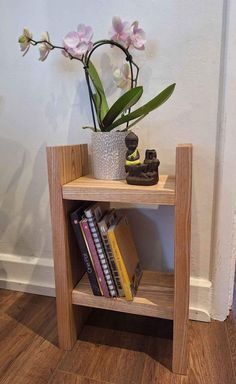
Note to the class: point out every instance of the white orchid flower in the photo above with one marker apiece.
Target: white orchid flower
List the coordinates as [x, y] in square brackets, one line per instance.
[44, 48]
[24, 40]
[121, 76]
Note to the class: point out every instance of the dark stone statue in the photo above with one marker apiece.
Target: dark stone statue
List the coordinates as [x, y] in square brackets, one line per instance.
[138, 173]
[132, 154]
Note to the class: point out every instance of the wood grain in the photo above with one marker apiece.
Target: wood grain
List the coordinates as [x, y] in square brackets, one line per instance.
[65, 164]
[93, 351]
[155, 297]
[14, 339]
[88, 188]
[36, 369]
[231, 338]
[182, 256]
[39, 316]
[7, 298]
[70, 378]
[69, 182]
[230, 326]
[113, 348]
[210, 358]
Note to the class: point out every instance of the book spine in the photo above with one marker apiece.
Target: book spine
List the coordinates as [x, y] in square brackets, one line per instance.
[101, 254]
[111, 259]
[87, 262]
[125, 281]
[94, 256]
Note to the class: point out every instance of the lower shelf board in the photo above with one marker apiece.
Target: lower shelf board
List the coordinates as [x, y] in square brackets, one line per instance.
[154, 298]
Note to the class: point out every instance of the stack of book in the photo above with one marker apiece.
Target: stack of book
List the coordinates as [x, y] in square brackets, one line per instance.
[108, 250]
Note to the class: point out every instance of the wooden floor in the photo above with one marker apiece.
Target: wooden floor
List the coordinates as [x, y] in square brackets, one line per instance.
[113, 348]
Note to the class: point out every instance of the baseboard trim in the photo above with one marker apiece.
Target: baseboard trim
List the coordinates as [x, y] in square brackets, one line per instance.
[200, 299]
[198, 314]
[27, 274]
[28, 287]
[36, 275]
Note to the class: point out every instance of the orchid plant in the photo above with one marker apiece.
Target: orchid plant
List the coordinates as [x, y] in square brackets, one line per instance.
[78, 45]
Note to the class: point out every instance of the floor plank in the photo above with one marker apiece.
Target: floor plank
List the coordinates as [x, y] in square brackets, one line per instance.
[36, 312]
[28, 338]
[70, 378]
[36, 363]
[230, 326]
[14, 339]
[94, 356]
[210, 356]
[7, 298]
[113, 348]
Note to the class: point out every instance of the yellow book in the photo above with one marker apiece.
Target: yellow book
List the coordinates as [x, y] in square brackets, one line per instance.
[125, 255]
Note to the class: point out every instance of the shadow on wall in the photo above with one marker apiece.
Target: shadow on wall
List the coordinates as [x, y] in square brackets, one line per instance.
[25, 232]
[153, 231]
[32, 233]
[12, 163]
[56, 109]
[24, 208]
[80, 115]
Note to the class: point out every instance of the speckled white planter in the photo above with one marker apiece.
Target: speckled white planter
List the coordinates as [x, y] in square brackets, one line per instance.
[108, 155]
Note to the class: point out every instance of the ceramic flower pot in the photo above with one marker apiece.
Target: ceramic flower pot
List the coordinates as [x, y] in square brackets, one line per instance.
[108, 155]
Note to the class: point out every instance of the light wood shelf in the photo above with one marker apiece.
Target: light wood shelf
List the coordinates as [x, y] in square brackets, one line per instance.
[154, 298]
[159, 295]
[88, 188]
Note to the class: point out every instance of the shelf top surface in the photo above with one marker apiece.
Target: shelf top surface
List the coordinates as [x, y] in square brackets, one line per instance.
[154, 298]
[88, 188]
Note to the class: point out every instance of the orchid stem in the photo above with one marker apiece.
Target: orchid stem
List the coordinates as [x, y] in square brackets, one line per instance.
[85, 60]
[52, 46]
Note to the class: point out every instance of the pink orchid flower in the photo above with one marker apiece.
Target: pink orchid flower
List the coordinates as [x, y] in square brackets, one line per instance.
[121, 76]
[120, 31]
[44, 48]
[79, 42]
[137, 36]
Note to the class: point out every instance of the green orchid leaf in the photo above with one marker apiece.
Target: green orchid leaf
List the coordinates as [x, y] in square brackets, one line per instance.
[146, 108]
[125, 102]
[96, 101]
[136, 121]
[101, 101]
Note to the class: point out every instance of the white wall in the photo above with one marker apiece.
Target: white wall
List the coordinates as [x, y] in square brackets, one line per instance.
[46, 103]
[224, 235]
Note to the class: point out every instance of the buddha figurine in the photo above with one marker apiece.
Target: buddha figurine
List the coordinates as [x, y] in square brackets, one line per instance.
[138, 173]
[132, 154]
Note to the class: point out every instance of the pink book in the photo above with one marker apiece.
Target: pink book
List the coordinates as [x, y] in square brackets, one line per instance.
[94, 256]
